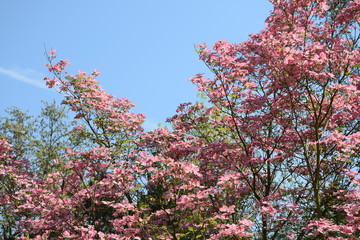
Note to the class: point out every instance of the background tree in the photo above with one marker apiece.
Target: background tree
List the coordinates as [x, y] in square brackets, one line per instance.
[43, 138]
[55, 134]
[19, 128]
[40, 141]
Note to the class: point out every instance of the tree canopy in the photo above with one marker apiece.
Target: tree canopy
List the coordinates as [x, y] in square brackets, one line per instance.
[273, 153]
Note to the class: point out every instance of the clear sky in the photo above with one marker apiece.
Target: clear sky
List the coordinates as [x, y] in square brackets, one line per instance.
[144, 49]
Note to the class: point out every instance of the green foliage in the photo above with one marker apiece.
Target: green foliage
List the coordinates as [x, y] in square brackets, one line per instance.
[19, 129]
[41, 140]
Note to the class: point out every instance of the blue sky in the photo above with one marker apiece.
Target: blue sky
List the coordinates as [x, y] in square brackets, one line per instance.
[144, 49]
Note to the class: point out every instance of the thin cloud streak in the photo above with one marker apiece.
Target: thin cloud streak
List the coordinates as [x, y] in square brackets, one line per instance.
[15, 75]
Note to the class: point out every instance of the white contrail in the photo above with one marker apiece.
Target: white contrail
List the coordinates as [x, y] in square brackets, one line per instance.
[15, 75]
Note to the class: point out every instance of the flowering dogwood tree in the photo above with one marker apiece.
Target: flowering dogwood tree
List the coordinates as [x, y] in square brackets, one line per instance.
[285, 109]
[273, 154]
